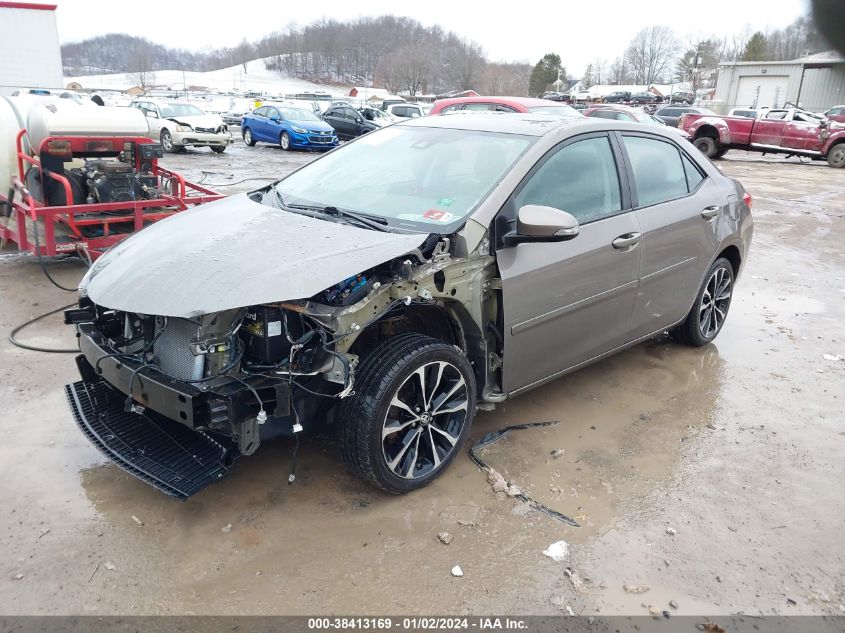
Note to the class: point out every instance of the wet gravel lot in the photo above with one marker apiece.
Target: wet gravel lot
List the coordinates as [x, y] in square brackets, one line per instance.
[708, 477]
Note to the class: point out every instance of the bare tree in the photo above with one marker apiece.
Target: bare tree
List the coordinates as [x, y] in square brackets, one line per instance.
[599, 68]
[651, 54]
[617, 72]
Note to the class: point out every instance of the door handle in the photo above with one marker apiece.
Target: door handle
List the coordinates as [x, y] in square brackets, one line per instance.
[708, 213]
[626, 242]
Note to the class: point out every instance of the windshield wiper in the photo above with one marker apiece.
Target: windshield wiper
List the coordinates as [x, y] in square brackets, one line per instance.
[362, 220]
[376, 224]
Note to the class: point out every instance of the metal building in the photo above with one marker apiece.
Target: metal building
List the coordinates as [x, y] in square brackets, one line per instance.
[30, 56]
[814, 83]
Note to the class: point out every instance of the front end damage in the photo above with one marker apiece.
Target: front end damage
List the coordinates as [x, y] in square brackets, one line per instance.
[175, 400]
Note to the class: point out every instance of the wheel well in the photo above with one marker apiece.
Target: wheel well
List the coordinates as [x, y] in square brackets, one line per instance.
[731, 253]
[451, 325]
[431, 320]
[709, 131]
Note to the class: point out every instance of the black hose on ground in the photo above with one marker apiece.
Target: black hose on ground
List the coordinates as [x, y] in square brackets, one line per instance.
[35, 348]
[495, 436]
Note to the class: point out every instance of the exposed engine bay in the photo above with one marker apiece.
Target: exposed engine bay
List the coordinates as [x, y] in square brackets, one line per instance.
[245, 375]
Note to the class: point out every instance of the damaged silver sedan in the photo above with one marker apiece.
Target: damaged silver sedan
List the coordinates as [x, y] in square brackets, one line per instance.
[395, 285]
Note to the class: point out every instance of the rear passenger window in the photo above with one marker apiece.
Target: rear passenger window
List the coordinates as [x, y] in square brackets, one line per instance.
[581, 178]
[694, 175]
[486, 107]
[658, 171]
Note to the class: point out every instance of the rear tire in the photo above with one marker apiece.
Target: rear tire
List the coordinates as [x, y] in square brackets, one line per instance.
[710, 310]
[721, 152]
[402, 384]
[706, 146]
[836, 156]
[247, 134]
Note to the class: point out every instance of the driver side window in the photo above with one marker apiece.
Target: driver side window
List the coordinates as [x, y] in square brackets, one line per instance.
[580, 178]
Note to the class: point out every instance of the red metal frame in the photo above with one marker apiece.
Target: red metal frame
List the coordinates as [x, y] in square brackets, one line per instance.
[181, 194]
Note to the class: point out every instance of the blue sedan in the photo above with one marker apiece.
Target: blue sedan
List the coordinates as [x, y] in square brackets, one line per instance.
[288, 126]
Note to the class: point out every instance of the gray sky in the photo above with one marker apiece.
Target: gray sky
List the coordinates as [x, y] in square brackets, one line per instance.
[578, 30]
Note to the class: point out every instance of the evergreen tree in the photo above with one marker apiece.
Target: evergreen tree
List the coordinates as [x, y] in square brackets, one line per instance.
[755, 48]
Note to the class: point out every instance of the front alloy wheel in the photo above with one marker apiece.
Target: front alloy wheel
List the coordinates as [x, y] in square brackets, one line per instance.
[413, 405]
[166, 141]
[425, 418]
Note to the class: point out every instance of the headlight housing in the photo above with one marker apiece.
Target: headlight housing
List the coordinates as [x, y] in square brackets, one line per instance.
[184, 128]
[298, 130]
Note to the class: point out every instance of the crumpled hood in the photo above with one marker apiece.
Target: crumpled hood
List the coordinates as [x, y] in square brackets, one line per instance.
[234, 253]
[199, 120]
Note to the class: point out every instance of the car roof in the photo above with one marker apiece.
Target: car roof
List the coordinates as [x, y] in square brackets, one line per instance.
[526, 102]
[526, 124]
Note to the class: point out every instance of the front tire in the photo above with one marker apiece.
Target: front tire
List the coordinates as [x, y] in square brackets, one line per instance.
[708, 313]
[284, 141]
[167, 141]
[706, 146]
[836, 155]
[413, 406]
[218, 149]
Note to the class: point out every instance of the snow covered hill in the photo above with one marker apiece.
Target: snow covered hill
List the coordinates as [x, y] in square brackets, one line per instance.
[255, 78]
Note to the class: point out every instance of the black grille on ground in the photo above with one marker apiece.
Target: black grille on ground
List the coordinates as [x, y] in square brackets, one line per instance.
[163, 453]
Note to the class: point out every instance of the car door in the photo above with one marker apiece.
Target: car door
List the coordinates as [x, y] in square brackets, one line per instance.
[258, 124]
[568, 302]
[274, 125]
[153, 119]
[769, 130]
[679, 209]
[802, 133]
[332, 117]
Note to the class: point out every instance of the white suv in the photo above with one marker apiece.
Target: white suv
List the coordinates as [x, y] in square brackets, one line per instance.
[178, 124]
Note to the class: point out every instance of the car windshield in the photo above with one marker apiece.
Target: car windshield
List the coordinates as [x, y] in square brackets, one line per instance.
[179, 109]
[298, 114]
[417, 178]
[557, 110]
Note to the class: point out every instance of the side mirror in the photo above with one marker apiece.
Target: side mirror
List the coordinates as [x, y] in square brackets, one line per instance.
[537, 223]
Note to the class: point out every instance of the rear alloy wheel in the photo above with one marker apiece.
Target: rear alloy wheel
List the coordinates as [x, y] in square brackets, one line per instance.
[248, 137]
[284, 141]
[708, 313]
[413, 405]
[836, 155]
[167, 141]
[706, 146]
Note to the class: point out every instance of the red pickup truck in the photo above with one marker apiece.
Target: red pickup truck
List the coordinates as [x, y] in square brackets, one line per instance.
[790, 131]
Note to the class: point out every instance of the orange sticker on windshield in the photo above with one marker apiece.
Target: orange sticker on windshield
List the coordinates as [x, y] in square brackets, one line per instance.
[437, 215]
